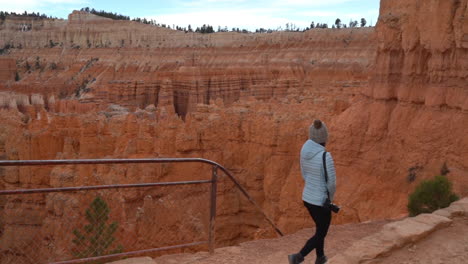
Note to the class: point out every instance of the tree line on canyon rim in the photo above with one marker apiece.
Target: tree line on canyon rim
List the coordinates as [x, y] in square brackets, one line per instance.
[25, 14]
[205, 29]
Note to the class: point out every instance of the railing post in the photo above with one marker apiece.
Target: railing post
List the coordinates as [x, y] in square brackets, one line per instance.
[214, 185]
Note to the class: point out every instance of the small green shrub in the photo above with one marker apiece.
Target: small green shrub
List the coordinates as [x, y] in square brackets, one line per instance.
[97, 236]
[431, 195]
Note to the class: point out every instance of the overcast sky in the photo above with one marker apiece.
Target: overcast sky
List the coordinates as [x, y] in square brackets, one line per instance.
[248, 14]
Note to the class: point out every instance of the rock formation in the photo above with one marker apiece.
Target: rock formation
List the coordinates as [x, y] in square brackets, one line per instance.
[395, 99]
[413, 115]
[190, 68]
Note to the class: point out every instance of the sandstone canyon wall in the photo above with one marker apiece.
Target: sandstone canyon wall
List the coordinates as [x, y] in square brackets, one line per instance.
[414, 113]
[188, 69]
[395, 99]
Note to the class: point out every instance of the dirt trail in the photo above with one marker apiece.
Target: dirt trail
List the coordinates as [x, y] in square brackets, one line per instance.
[271, 251]
[446, 245]
[440, 237]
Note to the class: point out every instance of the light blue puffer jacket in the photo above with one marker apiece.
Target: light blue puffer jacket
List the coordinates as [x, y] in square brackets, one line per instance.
[315, 189]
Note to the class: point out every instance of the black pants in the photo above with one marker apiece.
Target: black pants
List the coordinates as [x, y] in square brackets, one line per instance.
[322, 219]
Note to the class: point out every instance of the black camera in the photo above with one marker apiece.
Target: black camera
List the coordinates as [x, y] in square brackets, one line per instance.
[331, 206]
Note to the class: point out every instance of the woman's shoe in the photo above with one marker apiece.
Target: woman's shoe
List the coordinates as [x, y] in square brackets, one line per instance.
[322, 260]
[295, 258]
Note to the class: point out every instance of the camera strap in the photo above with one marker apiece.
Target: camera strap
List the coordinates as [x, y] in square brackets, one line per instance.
[326, 173]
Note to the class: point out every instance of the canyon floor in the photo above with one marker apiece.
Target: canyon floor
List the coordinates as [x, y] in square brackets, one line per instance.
[432, 238]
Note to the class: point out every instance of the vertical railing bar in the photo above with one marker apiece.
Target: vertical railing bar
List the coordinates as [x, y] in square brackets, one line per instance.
[214, 185]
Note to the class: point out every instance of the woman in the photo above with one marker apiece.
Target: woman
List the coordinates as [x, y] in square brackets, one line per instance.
[315, 190]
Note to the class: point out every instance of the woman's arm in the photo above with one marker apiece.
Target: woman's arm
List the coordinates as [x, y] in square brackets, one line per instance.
[331, 184]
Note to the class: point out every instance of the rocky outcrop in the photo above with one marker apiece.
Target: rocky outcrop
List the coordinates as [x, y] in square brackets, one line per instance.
[421, 60]
[398, 234]
[413, 115]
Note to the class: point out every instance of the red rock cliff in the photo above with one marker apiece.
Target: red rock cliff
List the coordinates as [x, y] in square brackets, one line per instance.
[413, 116]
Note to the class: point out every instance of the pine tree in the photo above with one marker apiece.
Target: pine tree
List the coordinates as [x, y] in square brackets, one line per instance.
[353, 23]
[98, 235]
[363, 22]
[338, 23]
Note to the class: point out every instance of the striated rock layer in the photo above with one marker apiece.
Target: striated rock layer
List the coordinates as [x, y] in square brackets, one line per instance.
[394, 98]
[222, 65]
[413, 117]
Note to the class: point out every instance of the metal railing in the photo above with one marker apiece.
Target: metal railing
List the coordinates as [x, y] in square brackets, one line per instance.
[213, 193]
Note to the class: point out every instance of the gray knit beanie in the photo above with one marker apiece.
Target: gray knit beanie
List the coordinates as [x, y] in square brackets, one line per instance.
[318, 132]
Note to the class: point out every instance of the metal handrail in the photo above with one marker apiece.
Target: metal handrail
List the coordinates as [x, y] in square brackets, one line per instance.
[97, 187]
[213, 181]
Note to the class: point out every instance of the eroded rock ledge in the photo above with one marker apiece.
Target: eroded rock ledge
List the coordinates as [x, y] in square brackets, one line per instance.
[398, 234]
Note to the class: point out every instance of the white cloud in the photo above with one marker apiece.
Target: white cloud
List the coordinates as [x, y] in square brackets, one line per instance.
[308, 3]
[254, 18]
[210, 3]
[259, 3]
[373, 12]
[18, 6]
[318, 13]
[261, 13]
[244, 19]
[35, 5]
[224, 1]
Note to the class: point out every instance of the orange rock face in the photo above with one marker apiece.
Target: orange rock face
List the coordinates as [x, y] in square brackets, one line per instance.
[394, 98]
[413, 115]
